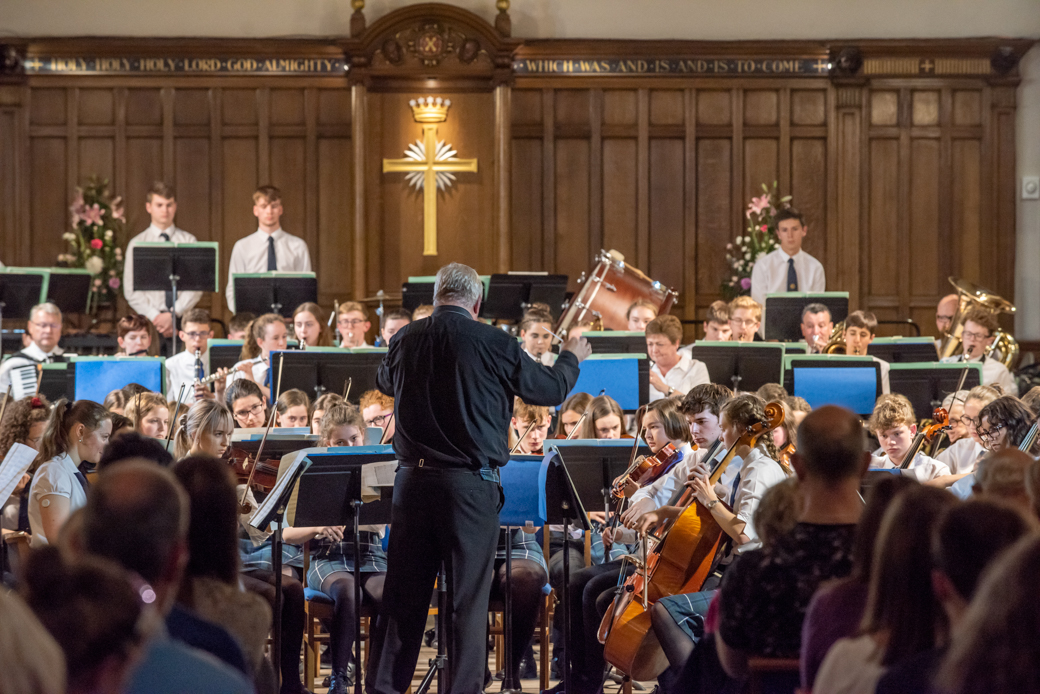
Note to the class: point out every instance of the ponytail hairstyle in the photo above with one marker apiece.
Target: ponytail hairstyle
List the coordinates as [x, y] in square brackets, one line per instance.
[337, 416]
[63, 417]
[204, 415]
[324, 332]
[256, 330]
[746, 410]
[599, 407]
[138, 407]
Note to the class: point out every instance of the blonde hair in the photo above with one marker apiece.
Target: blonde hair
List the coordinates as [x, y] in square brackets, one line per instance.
[579, 402]
[748, 303]
[257, 330]
[778, 511]
[351, 306]
[326, 402]
[204, 415]
[422, 311]
[530, 413]
[890, 411]
[641, 303]
[983, 394]
[338, 416]
[141, 404]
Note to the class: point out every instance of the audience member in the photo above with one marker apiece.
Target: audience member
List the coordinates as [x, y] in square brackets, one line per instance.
[134, 445]
[33, 662]
[1002, 476]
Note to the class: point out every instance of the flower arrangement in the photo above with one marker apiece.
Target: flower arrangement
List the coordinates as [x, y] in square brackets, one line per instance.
[759, 240]
[97, 223]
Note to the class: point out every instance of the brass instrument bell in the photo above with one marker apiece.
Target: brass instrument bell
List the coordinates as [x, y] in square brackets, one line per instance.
[1004, 348]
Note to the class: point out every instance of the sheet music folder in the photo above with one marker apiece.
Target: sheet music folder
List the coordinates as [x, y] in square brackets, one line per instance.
[331, 481]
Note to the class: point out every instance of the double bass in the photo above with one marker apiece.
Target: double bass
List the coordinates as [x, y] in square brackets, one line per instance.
[680, 561]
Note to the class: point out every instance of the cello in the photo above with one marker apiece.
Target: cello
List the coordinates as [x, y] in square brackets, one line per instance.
[680, 561]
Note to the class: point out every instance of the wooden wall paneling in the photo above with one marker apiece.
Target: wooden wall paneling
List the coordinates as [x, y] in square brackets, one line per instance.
[596, 173]
[215, 102]
[288, 162]
[72, 141]
[643, 181]
[119, 177]
[526, 219]
[966, 222]
[949, 177]
[571, 217]
[902, 200]
[620, 197]
[737, 201]
[808, 181]
[503, 174]
[310, 179]
[714, 212]
[334, 256]
[666, 210]
[999, 261]
[882, 247]
[264, 171]
[549, 181]
[691, 252]
[922, 244]
[144, 166]
[49, 208]
[12, 119]
[359, 122]
[193, 182]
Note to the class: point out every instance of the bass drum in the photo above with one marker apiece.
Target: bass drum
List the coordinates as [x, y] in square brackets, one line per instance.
[609, 290]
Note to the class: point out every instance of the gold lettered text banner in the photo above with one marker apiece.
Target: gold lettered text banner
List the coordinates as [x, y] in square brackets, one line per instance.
[50, 65]
[808, 67]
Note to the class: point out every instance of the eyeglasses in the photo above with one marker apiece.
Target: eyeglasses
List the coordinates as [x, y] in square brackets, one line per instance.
[378, 420]
[46, 326]
[974, 336]
[991, 433]
[254, 411]
[197, 336]
[965, 420]
[746, 322]
[352, 322]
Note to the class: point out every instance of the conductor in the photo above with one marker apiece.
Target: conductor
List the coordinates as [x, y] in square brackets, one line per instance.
[453, 380]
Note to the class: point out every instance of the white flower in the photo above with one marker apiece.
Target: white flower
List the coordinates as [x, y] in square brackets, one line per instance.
[729, 246]
[69, 236]
[94, 265]
[734, 279]
[109, 234]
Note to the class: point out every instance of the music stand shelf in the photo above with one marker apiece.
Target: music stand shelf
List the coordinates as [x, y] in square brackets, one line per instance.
[743, 366]
[926, 384]
[783, 312]
[318, 370]
[899, 350]
[273, 292]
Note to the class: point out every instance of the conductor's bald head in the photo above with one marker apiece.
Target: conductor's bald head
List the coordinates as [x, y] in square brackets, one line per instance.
[137, 515]
[458, 285]
[831, 446]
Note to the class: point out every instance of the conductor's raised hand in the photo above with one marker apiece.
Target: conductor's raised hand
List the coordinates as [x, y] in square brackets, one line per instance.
[578, 346]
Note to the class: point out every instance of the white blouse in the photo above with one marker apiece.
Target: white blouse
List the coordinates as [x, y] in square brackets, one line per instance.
[56, 477]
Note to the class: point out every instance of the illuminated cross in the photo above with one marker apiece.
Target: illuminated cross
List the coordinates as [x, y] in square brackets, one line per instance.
[429, 113]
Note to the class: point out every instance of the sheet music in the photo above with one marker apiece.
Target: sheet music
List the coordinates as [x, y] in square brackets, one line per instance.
[374, 476]
[16, 463]
[269, 506]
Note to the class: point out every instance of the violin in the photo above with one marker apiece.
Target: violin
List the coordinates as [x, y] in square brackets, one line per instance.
[940, 422]
[261, 476]
[646, 469]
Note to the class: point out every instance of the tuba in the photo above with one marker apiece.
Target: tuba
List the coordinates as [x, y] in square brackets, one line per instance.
[836, 345]
[1004, 348]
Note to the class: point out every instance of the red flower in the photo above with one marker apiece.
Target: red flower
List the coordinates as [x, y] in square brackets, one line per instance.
[763, 228]
[97, 244]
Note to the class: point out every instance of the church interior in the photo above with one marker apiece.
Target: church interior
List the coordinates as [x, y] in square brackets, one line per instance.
[831, 203]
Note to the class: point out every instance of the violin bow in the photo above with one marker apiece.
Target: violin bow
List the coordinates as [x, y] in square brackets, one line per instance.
[346, 387]
[382, 439]
[519, 440]
[263, 441]
[7, 397]
[584, 414]
[176, 413]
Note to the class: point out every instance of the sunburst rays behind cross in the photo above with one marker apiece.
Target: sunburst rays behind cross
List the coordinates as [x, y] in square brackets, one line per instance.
[417, 152]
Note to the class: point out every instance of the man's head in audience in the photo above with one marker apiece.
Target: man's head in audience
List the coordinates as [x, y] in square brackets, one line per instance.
[978, 333]
[134, 446]
[945, 312]
[860, 327]
[267, 208]
[716, 326]
[702, 407]
[745, 318]
[663, 335]
[533, 420]
[392, 322]
[238, 325]
[817, 326]
[161, 205]
[195, 332]
[378, 410]
[639, 315]
[970, 536]
[352, 323]
[1002, 476]
[790, 230]
[44, 326]
[536, 332]
[134, 335]
[894, 424]
[831, 451]
[137, 516]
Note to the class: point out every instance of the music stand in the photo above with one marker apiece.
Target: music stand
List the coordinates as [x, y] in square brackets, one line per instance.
[92, 378]
[320, 369]
[416, 293]
[20, 290]
[509, 295]
[745, 366]
[852, 382]
[223, 354]
[616, 341]
[926, 384]
[59, 381]
[902, 350]
[274, 292]
[69, 289]
[625, 377]
[173, 267]
[328, 493]
[783, 312]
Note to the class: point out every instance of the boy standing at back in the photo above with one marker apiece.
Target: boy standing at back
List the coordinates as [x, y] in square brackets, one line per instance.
[269, 248]
[788, 268]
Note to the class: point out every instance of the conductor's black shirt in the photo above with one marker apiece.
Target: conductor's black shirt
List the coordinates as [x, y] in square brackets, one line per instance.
[453, 380]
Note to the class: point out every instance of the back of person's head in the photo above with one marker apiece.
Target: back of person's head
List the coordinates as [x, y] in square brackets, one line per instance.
[18, 421]
[458, 285]
[772, 392]
[242, 388]
[745, 411]
[63, 417]
[1002, 475]
[997, 645]
[777, 513]
[707, 396]
[879, 498]
[1033, 487]
[324, 402]
[90, 607]
[137, 516]
[33, 662]
[667, 325]
[202, 416]
[213, 530]
[900, 600]
[240, 321]
[134, 445]
[831, 445]
[797, 404]
[984, 395]
[970, 536]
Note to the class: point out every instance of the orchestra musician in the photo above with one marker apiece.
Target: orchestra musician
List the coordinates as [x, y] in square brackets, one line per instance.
[183, 369]
[963, 455]
[536, 335]
[639, 314]
[393, 321]
[148, 414]
[245, 400]
[353, 324]
[716, 324]
[894, 424]
[531, 422]
[266, 334]
[745, 318]
[44, 331]
[134, 335]
[816, 326]
[378, 411]
[321, 406]
[605, 419]
[672, 374]
[453, 380]
[860, 327]
[292, 409]
[310, 327]
[978, 334]
[570, 414]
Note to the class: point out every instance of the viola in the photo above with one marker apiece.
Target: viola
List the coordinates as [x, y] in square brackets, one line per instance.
[680, 561]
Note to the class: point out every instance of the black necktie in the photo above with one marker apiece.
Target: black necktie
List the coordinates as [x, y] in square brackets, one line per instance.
[83, 481]
[169, 292]
[792, 276]
[272, 259]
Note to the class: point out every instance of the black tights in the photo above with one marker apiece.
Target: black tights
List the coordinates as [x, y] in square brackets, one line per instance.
[675, 643]
[526, 580]
[340, 587]
[293, 615]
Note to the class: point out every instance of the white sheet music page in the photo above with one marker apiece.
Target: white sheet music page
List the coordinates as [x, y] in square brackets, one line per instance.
[374, 476]
[15, 464]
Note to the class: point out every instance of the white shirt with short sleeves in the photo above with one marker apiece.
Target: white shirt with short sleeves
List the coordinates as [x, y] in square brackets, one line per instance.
[683, 377]
[55, 478]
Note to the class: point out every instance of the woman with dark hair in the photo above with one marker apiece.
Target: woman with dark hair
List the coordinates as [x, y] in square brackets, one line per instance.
[75, 434]
[24, 422]
[1003, 423]
[211, 580]
[902, 616]
[246, 401]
